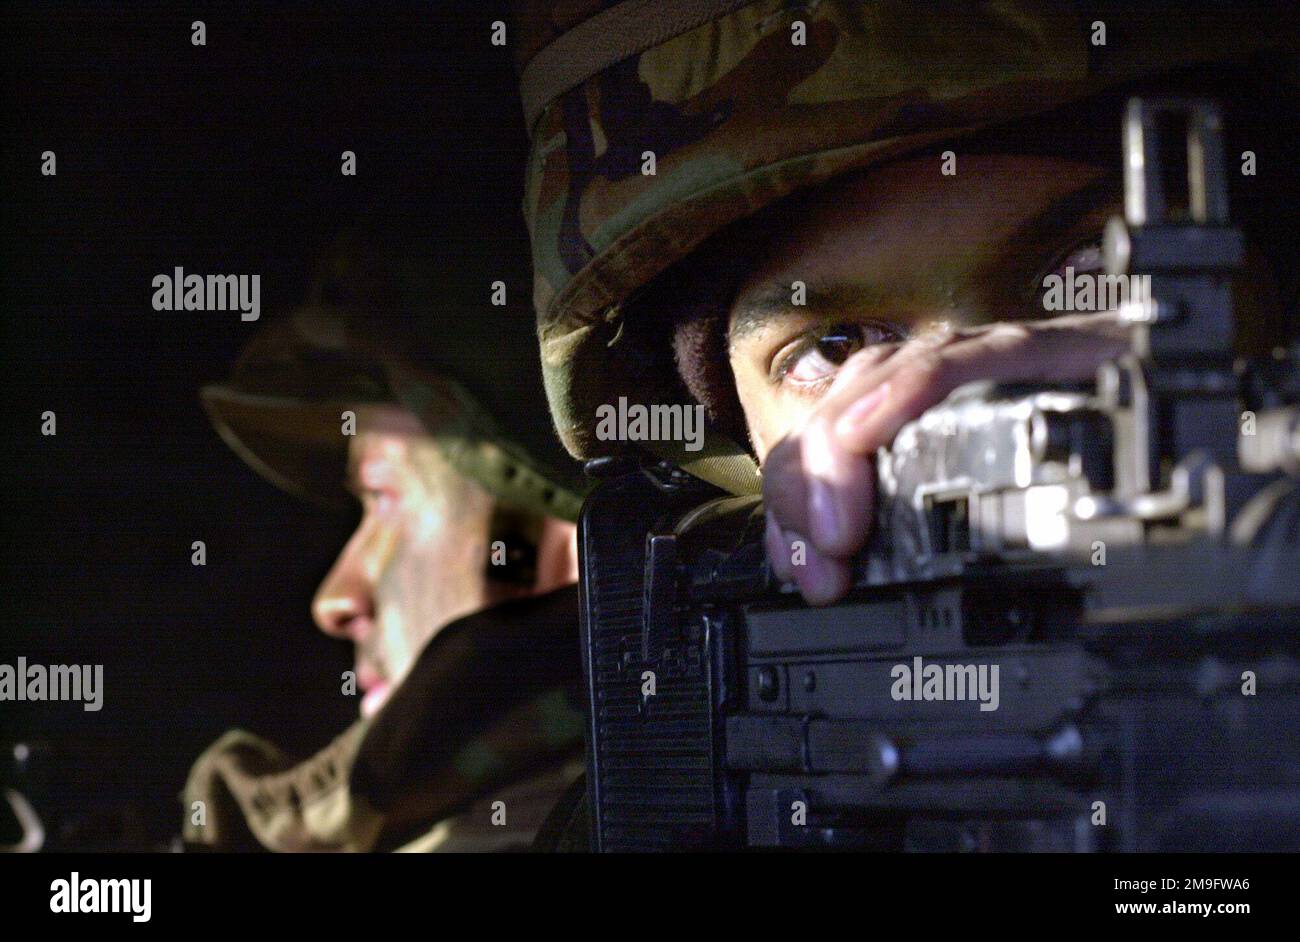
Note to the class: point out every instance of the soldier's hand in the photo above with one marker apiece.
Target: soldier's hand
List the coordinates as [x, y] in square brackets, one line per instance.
[819, 481]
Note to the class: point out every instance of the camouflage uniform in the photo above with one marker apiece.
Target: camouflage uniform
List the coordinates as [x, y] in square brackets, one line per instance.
[484, 715]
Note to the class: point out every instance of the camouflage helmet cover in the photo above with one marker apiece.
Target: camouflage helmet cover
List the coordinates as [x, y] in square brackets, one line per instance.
[376, 329]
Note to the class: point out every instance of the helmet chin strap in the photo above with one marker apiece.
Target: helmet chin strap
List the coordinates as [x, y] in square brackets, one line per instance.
[720, 462]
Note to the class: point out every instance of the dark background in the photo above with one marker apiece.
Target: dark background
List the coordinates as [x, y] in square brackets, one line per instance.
[220, 159]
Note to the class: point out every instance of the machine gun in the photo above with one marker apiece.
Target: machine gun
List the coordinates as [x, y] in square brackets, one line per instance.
[1076, 626]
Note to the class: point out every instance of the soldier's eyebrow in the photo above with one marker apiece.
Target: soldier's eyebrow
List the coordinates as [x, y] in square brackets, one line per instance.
[824, 301]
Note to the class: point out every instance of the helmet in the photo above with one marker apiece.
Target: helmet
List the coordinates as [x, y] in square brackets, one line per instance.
[656, 125]
[378, 328]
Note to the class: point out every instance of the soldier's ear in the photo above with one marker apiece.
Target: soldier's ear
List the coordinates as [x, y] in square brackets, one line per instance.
[513, 538]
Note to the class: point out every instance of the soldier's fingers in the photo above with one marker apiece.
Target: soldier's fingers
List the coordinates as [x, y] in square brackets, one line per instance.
[866, 362]
[1073, 346]
[923, 381]
[822, 580]
[864, 391]
[860, 386]
[788, 466]
[785, 492]
[1043, 352]
[840, 490]
[779, 555]
[821, 481]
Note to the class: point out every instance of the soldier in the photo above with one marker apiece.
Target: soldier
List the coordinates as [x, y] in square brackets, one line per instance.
[816, 220]
[456, 589]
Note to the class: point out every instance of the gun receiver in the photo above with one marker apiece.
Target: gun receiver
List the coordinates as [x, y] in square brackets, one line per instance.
[1074, 628]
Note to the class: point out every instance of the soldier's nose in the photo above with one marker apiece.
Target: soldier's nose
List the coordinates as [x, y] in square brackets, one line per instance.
[343, 607]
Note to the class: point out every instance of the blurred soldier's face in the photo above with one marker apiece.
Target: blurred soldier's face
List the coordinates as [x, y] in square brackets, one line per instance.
[888, 252]
[418, 560]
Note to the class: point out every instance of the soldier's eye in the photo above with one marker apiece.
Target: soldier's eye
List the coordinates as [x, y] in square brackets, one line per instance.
[1083, 260]
[818, 354]
[377, 500]
[1079, 263]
